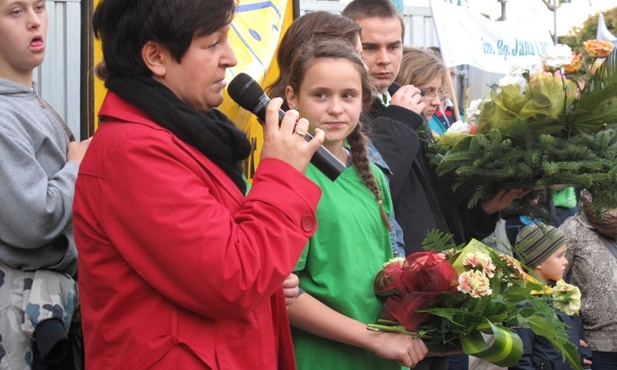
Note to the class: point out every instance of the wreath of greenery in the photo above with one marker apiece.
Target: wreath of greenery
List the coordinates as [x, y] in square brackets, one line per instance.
[480, 165]
[520, 145]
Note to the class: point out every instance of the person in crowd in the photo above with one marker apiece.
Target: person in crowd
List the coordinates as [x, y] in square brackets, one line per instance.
[321, 25]
[40, 160]
[328, 84]
[395, 119]
[181, 266]
[426, 71]
[445, 115]
[565, 203]
[325, 25]
[542, 249]
[592, 252]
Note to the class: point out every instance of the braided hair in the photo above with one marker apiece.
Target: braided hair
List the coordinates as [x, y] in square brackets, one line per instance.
[357, 142]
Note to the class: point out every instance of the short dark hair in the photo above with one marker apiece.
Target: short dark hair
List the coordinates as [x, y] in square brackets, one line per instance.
[360, 9]
[125, 26]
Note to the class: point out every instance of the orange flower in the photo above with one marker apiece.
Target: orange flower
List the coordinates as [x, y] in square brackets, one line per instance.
[575, 65]
[597, 48]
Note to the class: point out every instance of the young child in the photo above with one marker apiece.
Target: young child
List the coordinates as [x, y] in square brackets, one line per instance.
[328, 85]
[542, 248]
[38, 168]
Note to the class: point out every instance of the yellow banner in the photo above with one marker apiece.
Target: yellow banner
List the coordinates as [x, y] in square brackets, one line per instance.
[256, 31]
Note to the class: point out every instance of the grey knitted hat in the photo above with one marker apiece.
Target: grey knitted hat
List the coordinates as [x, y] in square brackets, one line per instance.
[537, 242]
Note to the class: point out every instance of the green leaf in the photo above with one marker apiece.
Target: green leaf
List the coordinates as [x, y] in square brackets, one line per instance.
[505, 351]
[542, 327]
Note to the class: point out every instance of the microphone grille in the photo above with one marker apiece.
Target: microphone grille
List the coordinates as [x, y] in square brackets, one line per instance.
[245, 91]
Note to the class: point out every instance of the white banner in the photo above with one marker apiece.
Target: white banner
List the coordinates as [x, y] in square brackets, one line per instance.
[467, 37]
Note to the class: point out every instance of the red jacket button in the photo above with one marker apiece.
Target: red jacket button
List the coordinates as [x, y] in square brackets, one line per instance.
[308, 223]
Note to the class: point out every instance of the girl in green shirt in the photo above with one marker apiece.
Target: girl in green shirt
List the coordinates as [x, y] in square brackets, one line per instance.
[328, 84]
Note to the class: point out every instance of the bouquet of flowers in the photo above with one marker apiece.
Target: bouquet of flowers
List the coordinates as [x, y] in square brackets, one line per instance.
[450, 295]
[540, 128]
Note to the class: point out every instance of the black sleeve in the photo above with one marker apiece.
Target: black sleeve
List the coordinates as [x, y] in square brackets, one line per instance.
[398, 144]
[407, 117]
[526, 361]
[476, 222]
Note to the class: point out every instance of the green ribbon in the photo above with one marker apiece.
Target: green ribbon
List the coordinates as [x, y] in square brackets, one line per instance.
[505, 351]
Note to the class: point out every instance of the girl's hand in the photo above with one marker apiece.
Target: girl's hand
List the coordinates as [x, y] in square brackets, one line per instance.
[402, 348]
[291, 288]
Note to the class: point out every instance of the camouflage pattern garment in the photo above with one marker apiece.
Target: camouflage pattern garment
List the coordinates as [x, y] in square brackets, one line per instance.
[27, 299]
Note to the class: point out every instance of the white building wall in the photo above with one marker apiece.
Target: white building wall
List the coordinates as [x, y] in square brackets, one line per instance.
[58, 78]
[419, 28]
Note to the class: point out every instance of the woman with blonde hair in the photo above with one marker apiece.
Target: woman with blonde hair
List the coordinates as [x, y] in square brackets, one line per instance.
[426, 71]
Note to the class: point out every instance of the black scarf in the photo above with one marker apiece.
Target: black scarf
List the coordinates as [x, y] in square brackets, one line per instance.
[212, 133]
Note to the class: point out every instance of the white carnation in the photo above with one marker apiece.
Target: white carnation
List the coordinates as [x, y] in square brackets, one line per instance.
[474, 108]
[513, 80]
[518, 70]
[459, 127]
[557, 56]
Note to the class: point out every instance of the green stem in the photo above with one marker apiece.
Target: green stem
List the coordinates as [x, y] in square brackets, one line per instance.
[391, 329]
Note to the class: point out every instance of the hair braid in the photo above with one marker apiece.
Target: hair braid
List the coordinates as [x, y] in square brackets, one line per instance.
[357, 142]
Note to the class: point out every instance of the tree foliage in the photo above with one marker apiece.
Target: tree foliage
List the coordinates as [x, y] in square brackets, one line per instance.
[577, 35]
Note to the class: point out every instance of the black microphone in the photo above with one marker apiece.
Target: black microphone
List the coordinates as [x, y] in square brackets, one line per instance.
[249, 95]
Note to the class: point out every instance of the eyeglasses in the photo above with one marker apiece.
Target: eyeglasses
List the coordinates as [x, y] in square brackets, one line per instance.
[442, 94]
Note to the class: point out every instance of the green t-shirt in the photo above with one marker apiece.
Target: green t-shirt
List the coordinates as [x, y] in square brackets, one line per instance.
[339, 264]
[565, 197]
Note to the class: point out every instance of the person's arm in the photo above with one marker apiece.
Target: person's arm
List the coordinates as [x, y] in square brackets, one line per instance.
[398, 145]
[480, 220]
[176, 220]
[408, 117]
[502, 200]
[38, 182]
[207, 253]
[36, 204]
[312, 316]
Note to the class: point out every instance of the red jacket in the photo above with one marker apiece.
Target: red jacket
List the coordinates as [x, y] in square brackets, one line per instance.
[177, 268]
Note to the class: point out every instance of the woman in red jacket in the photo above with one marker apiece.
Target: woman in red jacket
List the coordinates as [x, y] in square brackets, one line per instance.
[180, 267]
